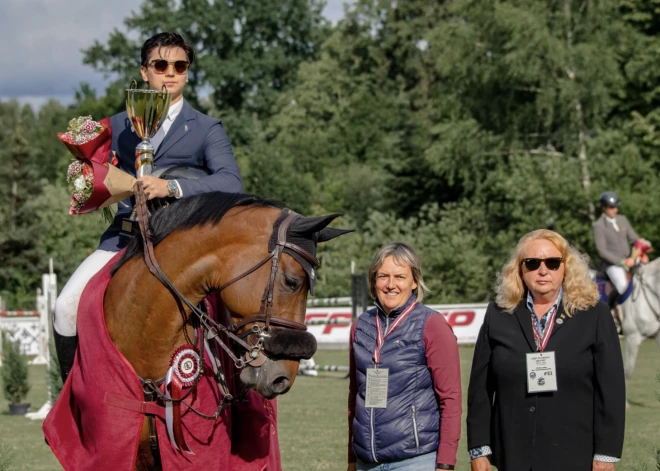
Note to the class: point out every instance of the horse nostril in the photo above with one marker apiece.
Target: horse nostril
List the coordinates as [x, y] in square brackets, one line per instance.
[281, 385]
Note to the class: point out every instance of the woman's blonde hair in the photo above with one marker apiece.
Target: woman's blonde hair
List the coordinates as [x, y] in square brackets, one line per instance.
[403, 255]
[580, 291]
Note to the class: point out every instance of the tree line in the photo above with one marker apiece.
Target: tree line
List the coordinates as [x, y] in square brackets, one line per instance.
[453, 126]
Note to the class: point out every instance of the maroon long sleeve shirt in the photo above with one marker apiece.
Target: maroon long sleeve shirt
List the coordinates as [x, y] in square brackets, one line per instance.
[443, 361]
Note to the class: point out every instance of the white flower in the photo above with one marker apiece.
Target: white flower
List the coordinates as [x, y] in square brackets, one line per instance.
[79, 183]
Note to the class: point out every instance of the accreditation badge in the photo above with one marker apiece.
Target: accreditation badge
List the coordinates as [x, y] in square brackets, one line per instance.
[541, 372]
[377, 388]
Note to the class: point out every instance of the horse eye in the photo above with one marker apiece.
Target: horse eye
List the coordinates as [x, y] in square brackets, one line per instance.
[292, 283]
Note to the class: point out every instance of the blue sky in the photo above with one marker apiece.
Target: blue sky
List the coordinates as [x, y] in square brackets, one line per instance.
[42, 42]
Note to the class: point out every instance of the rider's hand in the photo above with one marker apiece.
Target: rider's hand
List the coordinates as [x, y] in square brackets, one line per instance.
[602, 466]
[481, 464]
[644, 259]
[154, 187]
[629, 262]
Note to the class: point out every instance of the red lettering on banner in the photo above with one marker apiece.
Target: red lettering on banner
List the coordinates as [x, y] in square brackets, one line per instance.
[459, 318]
[335, 317]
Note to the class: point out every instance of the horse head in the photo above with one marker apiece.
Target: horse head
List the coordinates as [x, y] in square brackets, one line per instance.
[258, 259]
[279, 327]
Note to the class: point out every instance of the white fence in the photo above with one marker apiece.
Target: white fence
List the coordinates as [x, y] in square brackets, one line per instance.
[31, 328]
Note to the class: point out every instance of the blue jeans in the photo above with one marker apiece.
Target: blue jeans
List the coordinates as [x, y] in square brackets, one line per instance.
[418, 463]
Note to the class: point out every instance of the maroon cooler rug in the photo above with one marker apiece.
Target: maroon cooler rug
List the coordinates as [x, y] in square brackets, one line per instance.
[96, 421]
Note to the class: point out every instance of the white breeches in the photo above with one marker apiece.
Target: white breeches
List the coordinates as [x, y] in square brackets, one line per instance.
[618, 277]
[66, 305]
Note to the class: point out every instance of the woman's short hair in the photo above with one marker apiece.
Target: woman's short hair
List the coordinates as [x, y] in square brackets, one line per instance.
[402, 254]
[580, 291]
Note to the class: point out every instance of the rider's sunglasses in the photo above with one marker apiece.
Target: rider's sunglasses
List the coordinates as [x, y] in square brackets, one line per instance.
[533, 264]
[160, 66]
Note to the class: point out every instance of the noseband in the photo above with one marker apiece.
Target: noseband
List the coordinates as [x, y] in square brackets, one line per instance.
[254, 355]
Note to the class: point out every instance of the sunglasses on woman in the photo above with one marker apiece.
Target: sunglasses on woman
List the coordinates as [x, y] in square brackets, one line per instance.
[160, 66]
[551, 263]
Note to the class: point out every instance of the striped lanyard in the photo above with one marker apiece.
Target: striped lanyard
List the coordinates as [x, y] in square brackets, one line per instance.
[541, 339]
[381, 336]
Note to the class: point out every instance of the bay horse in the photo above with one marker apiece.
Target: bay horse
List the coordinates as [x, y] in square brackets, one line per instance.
[641, 313]
[256, 257]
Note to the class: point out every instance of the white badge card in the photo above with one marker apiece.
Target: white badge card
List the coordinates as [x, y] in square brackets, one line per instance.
[377, 388]
[541, 372]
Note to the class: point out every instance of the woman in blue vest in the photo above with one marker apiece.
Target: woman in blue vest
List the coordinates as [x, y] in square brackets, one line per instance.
[405, 385]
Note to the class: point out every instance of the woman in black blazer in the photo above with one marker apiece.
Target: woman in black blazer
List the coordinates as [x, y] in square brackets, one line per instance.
[547, 390]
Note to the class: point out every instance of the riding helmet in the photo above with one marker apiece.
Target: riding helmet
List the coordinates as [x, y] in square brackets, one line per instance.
[610, 199]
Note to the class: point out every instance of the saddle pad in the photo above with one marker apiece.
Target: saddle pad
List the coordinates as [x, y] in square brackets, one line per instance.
[88, 432]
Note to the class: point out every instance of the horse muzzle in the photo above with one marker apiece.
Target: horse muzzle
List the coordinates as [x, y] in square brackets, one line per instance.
[272, 378]
[272, 373]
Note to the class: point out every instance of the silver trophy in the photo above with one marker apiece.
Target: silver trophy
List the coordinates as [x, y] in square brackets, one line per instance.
[146, 109]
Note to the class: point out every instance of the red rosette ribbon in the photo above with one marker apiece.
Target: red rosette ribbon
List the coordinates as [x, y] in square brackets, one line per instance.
[187, 365]
[185, 368]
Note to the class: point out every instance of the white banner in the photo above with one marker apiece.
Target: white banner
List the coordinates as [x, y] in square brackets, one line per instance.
[332, 325]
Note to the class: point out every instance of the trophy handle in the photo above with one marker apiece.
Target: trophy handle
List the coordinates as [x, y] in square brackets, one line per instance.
[134, 84]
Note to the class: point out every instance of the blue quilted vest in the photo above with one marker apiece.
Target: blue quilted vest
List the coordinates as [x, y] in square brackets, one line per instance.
[410, 424]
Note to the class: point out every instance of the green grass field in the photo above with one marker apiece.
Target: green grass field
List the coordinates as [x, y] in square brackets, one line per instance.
[313, 419]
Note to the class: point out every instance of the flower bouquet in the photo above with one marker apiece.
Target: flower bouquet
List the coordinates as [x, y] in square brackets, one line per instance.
[88, 139]
[94, 181]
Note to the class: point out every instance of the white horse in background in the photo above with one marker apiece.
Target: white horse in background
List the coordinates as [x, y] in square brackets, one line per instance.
[641, 313]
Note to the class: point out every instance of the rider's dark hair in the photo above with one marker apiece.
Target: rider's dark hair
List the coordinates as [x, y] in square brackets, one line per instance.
[166, 39]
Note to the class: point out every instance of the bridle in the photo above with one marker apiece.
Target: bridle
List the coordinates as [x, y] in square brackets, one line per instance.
[254, 354]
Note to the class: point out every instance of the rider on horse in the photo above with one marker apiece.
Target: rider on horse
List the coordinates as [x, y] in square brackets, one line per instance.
[613, 236]
[186, 137]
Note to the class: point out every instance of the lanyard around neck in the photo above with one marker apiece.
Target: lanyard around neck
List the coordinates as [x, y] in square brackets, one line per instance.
[381, 335]
[542, 339]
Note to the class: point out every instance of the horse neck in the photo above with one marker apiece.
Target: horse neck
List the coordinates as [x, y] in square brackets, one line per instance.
[193, 269]
[650, 271]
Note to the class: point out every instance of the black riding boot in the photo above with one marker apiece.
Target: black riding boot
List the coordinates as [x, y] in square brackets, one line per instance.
[66, 352]
[613, 298]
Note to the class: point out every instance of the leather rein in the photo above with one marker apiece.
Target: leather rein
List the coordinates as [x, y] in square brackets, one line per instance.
[254, 354]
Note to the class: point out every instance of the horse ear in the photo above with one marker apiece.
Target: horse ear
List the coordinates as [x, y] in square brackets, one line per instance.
[330, 233]
[305, 225]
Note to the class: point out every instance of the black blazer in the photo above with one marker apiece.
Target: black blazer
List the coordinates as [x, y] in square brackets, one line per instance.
[552, 431]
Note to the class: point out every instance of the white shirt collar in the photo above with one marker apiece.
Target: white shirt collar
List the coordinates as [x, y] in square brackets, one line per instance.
[613, 222]
[174, 110]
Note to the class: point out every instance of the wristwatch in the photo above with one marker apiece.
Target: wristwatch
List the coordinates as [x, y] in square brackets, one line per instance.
[172, 188]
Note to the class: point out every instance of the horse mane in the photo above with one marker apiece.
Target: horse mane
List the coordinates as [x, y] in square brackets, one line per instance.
[190, 212]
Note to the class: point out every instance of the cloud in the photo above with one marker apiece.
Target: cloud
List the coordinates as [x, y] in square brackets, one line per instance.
[43, 41]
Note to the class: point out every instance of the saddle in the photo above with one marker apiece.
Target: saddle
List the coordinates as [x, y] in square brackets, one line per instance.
[608, 293]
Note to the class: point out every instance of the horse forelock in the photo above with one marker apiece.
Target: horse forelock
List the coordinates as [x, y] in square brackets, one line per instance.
[188, 213]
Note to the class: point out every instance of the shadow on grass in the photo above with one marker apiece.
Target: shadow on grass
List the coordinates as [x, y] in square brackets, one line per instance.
[637, 403]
